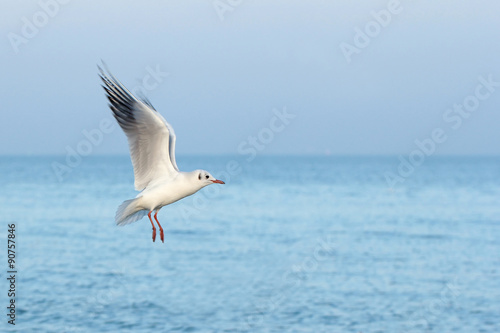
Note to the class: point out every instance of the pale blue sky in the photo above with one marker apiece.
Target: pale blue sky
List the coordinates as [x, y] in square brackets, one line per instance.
[226, 76]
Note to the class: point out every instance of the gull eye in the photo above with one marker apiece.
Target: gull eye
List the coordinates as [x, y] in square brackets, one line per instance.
[206, 176]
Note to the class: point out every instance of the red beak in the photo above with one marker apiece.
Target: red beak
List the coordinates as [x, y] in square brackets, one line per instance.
[218, 181]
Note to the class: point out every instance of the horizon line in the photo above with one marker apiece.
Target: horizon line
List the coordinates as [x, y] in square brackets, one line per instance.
[261, 154]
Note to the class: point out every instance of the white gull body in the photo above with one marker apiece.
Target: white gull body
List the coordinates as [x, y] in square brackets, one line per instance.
[151, 141]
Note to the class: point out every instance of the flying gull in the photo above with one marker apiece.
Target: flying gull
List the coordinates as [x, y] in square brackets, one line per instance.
[151, 141]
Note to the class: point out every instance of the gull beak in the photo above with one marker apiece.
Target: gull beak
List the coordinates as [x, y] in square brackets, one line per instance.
[218, 181]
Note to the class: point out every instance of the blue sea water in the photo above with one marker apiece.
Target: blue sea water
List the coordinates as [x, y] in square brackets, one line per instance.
[289, 244]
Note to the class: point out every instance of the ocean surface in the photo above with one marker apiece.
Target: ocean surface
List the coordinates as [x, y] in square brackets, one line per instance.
[289, 244]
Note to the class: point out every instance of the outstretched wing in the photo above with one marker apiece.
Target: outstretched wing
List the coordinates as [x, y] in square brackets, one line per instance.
[151, 139]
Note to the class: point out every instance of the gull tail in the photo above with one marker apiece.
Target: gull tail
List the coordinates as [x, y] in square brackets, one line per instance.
[129, 211]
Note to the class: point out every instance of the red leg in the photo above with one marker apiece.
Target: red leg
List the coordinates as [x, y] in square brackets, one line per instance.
[161, 229]
[154, 229]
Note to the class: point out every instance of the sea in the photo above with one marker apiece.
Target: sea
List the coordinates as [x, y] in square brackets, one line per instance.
[288, 244]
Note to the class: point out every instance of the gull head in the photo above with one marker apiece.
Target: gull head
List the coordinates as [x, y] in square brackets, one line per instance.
[204, 178]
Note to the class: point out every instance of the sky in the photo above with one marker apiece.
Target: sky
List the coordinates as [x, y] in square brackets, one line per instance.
[282, 77]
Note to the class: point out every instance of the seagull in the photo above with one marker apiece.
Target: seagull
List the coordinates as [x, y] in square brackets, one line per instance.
[151, 140]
